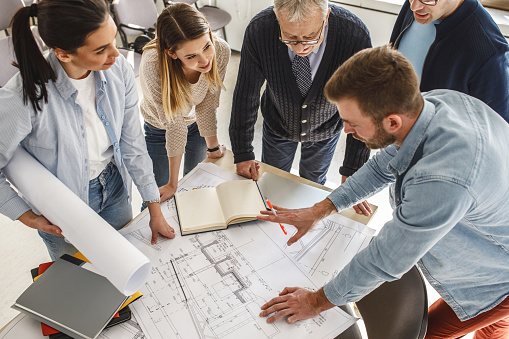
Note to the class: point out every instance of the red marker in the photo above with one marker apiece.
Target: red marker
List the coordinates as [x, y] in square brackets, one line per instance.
[274, 211]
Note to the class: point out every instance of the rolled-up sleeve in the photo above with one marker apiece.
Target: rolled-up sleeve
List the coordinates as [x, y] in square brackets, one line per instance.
[429, 210]
[16, 125]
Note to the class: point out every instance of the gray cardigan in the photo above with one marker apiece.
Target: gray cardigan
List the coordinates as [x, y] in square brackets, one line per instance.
[265, 58]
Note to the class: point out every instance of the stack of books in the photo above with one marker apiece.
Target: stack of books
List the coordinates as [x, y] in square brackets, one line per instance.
[72, 301]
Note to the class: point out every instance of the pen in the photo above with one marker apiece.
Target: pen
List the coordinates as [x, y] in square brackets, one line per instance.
[274, 211]
[171, 261]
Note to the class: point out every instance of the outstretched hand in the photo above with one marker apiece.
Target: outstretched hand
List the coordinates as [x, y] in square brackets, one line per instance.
[158, 225]
[167, 191]
[303, 219]
[297, 304]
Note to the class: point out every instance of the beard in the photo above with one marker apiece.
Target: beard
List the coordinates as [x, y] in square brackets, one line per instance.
[381, 139]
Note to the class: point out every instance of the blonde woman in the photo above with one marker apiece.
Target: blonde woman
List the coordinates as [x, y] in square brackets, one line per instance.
[181, 75]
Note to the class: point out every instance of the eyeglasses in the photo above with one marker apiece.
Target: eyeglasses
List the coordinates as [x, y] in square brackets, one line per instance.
[428, 2]
[303, 42]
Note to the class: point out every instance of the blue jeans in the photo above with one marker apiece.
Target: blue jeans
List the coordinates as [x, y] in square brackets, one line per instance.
[315, 157]
[155, 138]
[107, 196]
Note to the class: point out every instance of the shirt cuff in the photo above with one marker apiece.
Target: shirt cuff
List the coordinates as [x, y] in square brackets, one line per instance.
[332, 295]
[340, 199]
[149, 192]
[14, 208]
[243, 157]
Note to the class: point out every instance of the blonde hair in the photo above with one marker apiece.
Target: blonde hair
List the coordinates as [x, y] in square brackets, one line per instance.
[177, 24]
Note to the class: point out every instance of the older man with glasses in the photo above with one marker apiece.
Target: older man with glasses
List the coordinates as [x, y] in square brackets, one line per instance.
[295, 47]
[455, 44]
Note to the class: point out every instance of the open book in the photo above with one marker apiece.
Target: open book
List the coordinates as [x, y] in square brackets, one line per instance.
[213, 208]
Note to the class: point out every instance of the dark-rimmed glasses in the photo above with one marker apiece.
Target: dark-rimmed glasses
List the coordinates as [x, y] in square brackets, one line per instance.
[303, 42]
[428, 2]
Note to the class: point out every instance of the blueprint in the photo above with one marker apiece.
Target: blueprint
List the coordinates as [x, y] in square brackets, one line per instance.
[212, 285]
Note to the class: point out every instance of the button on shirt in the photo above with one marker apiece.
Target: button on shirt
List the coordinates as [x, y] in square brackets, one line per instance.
[56, 136]
[100, 150]
[453, 219]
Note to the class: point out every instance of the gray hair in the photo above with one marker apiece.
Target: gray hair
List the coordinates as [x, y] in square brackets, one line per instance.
[299, 10]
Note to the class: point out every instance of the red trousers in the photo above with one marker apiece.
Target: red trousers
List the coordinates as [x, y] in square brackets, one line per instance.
[492, 324]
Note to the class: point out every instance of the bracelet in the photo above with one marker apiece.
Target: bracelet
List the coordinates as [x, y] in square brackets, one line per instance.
[158, 199]
[210, 150]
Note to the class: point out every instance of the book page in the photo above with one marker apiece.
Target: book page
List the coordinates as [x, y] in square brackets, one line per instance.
[240, 199]
[199, 209]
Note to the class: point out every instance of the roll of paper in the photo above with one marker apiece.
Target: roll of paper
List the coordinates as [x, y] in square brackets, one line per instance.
[110, 253]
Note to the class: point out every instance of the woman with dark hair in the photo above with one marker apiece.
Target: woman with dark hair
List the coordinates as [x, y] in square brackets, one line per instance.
[76, 113]
[181, 75]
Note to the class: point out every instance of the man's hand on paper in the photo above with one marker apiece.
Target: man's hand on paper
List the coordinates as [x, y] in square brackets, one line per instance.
[362, 207]
[297, 304]
[249, 169]
[158, 224]
[167, 191]
[303, 219]
[39, 222]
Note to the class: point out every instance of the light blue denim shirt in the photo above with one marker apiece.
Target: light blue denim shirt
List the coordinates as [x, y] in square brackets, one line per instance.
[453, 217]
[56, 137]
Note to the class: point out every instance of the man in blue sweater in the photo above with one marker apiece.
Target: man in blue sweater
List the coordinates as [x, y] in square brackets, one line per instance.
[295, 47]
[455, 44]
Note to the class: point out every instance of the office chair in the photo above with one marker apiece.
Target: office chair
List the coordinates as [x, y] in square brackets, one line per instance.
[134, 17]
[7, 10]
[395, 309]
[216, 17]
[7, 70]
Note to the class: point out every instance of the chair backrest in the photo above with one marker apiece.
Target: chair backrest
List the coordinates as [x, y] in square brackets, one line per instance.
[138, 12]
[7, 10]
[133, 58]
[397, 309]
[216, 17]
[7, 70]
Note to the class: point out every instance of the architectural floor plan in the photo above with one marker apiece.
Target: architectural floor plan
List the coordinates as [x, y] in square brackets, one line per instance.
[211, 285]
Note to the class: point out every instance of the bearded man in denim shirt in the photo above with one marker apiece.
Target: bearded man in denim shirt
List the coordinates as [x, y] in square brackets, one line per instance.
[447, 154]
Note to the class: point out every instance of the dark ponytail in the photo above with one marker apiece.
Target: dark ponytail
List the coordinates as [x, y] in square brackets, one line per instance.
[33, 66]
[63, 24]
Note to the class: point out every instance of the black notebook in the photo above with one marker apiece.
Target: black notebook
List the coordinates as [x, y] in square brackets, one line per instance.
[71, 299]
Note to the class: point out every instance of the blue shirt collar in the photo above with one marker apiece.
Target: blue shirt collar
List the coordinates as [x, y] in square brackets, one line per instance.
[413, 139]
[63, 84]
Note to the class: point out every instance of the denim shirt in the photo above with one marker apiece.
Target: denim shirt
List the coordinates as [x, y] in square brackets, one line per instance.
[56, 136]
[453, 216]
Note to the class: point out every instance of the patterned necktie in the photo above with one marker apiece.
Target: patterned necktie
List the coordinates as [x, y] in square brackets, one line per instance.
[302, 72]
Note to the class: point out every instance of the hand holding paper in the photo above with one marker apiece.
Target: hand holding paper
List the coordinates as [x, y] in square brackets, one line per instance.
[115, 257]
[39, 222]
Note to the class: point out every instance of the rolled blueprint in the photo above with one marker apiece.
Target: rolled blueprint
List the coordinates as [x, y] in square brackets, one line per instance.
[110, 253]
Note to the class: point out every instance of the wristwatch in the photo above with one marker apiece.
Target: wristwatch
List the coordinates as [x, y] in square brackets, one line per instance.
[158, 199]
[210, 150]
